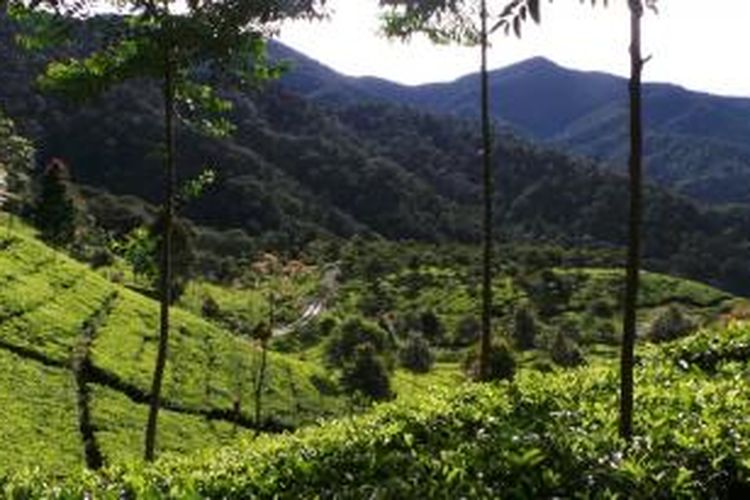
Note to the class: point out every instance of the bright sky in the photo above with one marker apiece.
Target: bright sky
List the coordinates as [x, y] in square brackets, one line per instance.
[700, 44]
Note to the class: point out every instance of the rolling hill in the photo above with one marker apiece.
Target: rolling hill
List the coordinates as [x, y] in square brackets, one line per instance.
[77, 354]
[541, 435]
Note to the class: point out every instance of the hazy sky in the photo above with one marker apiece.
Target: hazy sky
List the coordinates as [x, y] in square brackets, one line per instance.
[692, 45]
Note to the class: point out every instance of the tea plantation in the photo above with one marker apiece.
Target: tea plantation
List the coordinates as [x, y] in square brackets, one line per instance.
[542, 435]
[77, 354]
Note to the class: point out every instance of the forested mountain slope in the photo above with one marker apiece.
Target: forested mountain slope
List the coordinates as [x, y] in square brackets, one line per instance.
[696, 143]
[297, 168]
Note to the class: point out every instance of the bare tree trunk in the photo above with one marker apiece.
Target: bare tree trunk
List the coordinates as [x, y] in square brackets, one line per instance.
[634, 224]
[486, 338]
[166, 257]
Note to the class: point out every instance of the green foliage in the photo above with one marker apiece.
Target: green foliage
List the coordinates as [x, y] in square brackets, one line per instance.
[16, 166]
[55, 211]
[139, 249]
[670, 324]
[142, 248]
[415, 355]
[353, 332]
[542, 435]
[564, 350]
[431, 327]
[501, 362]
[45, 302]
[467, 331]
[365, 373]
[524, 329]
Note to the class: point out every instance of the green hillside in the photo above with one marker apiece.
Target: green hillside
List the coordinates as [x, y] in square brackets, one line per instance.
[77, 354]
[542, 435]
[77, 351]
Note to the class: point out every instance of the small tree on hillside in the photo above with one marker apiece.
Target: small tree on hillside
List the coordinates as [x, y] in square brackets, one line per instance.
[55, 211]
[564, 350]
[671, 324]
[352, 333]
[366, 373]
[524, 328]
[501, 362]
[467, 331]
[415, 355]
[431, 326]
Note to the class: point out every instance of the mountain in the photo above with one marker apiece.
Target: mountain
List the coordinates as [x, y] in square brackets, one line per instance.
[696, 143]
[321, 155]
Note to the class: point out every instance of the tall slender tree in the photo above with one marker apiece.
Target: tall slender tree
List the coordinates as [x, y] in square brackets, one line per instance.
[513, 16]
[463, 22]
[635, 169]
[224, 36]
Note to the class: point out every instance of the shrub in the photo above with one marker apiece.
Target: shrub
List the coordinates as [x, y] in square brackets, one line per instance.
[524, 329]
[565, 352]
[502, 363]
[351, 333]
[55, 211]
[366, 373]
[467, 331]
[671, 324]
[210, 308]
[415, 355]
[101, 257]
[431, 326]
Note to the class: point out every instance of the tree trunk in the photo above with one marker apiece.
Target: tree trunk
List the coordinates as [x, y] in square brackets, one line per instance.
[485, 341]
[634, 224]
[265, 336]
[166, 257]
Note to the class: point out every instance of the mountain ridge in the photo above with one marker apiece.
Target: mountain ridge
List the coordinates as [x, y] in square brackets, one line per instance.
[695, 141]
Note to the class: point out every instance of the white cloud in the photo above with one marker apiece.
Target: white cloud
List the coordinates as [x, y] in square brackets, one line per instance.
[696, 43]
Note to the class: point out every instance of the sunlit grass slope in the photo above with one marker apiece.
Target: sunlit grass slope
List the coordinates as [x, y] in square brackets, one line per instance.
[540, 436]
[66, 331]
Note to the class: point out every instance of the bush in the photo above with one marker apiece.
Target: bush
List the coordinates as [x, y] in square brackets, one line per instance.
[502, 363]
[366, 373]
[671, 324]
[55, 211]
[431, 326]
[524, 329]
[210, 308]
[467, 331]
[565, 351]
[349, 335]
[416, 355]
[101, 257]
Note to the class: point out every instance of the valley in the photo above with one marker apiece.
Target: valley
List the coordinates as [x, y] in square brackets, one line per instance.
[230, 271]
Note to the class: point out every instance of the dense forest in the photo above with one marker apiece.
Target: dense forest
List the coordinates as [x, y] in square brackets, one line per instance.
[290, 174]
[229, 271]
